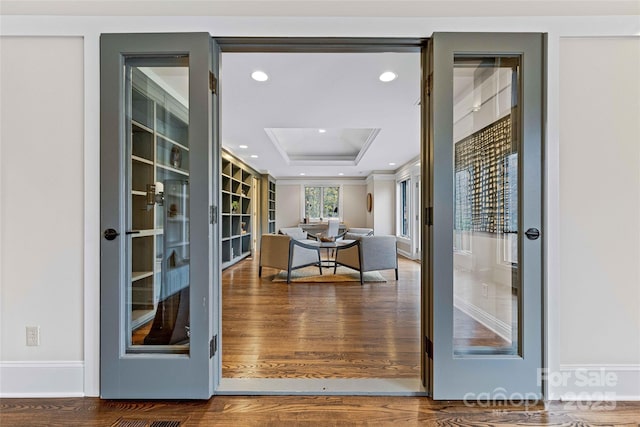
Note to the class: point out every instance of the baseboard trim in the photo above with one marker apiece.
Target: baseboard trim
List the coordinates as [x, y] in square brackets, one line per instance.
[491, 322]
[319, 387]
[42, 379]
[595, 383]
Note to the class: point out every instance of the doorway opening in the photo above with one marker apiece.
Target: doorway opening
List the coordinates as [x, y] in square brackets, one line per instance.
[320, 125]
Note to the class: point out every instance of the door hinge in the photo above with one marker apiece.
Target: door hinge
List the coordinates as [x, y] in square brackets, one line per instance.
[213, 83]
[428, 347]
[213, 214]
[428, 215]
[213, 346]
[428, 85]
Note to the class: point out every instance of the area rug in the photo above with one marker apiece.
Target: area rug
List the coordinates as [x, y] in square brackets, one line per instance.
[343, 274]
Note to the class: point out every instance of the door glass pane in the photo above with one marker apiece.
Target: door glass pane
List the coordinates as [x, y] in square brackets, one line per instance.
[486, 280]
[157, 121]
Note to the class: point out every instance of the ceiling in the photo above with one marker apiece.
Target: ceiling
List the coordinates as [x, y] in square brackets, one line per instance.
[321, 8]
[369, 126]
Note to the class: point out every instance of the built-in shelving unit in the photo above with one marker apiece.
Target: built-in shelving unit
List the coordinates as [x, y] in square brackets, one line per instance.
[159, 154]
[268, 195]
[237, 209]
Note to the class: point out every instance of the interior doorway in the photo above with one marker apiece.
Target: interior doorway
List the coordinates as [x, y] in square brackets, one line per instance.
[342, 335]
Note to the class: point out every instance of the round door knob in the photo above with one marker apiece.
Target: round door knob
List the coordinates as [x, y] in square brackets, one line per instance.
[532, 233]
[110, 234]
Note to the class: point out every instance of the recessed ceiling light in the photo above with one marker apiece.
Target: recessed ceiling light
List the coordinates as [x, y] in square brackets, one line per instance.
[392, 164]
[388, 76]
[244, 147]
[259, 76]
[254, 156]
[301, 173]
[322, 130]
[340, 174]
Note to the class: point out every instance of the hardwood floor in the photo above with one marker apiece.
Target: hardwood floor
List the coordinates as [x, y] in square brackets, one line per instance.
[320, 330]
[323, 330]
[241, 411]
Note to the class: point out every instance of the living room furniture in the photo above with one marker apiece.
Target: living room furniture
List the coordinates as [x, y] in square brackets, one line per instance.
[294, 232]
[285, 253]
[319, 227]
[369, 253]
[237, 206]
[356, 231]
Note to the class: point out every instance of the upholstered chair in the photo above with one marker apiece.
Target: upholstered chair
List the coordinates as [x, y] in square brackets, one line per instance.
[294, 232]
[285, 253]
[369, 253]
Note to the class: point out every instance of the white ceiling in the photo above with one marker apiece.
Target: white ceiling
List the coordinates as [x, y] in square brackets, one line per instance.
[321, 8]
[338, 92]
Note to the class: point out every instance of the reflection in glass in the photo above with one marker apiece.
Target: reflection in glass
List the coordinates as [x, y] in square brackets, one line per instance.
[486, 280]
[157, 120]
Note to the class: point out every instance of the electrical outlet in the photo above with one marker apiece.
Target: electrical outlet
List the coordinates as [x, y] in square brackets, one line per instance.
[33, 336]
[485, 290]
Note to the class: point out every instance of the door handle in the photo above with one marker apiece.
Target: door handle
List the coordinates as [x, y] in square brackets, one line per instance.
[532, 234]
[132, 232]
[110, 234]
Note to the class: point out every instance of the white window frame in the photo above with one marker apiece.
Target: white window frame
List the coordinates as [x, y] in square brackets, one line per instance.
[400, 207]
[323, 185]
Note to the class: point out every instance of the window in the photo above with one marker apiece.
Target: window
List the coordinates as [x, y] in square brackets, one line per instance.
[510, 232]
[321, 202]
[462, 208]
[404, 207]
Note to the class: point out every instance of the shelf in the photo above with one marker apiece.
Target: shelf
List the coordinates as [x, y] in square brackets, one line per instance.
[140, 126]
[147, 233]
[141, 160]
[166, 138]
[236, 190]
[137, 275]
[158, 151]
[170, 169]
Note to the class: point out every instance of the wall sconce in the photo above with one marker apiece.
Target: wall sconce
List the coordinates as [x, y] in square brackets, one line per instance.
[155, 194]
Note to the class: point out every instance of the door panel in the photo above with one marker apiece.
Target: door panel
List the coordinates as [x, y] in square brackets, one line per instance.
[485, 118]
[156, 258]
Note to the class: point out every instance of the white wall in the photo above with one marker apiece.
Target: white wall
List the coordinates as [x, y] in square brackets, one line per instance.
[354, 205]
[287, 205]
[41, 224]
[557, 274]
[369, 215]
[288, 199]
[600, 202]
[384, 204]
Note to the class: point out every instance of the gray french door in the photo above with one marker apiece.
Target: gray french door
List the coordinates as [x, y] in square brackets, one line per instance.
[484, 119]
[159, 247]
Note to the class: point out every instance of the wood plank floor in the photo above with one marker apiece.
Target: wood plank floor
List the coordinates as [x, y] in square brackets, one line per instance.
[310, 343]
[320, 330]
[326, 330]
[240, 411]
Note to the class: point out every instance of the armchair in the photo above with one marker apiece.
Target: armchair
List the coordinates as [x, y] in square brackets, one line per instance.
[294, 232]
[286, 253]
[369, 253]
[353, 233]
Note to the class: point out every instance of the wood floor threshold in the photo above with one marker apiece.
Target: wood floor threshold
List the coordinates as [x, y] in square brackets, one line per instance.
[321, 387]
